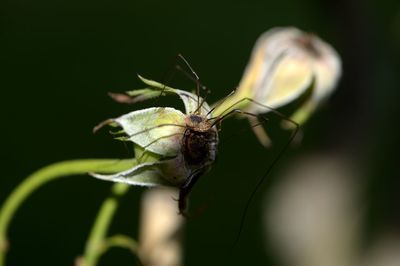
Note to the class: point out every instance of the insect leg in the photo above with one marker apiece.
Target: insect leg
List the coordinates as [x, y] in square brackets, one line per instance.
[185, 189]
[266, 173]
[154, 141]
[268, 108]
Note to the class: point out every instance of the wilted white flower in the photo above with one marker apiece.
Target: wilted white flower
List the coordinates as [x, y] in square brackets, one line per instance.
[285, 64]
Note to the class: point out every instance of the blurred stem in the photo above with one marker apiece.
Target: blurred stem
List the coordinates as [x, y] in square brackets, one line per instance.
[44, 175]
[302, 114]
[121, 241]
[96, 240]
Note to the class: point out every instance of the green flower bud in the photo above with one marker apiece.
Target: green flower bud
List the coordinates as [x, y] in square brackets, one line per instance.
[172, 148]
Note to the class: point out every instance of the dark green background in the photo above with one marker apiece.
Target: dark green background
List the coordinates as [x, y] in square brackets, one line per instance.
[60, 58]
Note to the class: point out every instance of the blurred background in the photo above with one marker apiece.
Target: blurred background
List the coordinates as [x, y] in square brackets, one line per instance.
[340, 185]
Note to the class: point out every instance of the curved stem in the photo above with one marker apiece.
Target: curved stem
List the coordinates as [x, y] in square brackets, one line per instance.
[96, 240]
[121, 241]
[44, 175]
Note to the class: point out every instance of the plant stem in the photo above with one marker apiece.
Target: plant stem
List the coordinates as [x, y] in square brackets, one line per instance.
[121, 241]
[97, 236]
[44, 175]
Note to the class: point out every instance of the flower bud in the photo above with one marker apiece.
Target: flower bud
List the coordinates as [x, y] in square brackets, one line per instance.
[285, 64]
[157, 134]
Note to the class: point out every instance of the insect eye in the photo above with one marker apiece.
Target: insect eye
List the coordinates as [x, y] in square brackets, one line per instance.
[196, 118]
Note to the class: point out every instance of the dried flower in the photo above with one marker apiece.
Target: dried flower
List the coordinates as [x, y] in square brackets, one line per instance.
[285, 64]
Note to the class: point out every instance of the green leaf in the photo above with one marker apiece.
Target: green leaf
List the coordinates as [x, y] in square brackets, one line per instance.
[190, 100]
[144, 94]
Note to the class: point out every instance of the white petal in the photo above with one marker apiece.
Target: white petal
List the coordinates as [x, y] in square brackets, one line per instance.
[145, 174]
[156, 129]
[170, 172]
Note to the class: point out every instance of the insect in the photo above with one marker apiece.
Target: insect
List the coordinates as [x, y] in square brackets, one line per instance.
[199, 149]
[187, 143]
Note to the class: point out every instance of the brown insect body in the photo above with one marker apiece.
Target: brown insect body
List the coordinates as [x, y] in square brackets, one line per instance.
[199, 148]
[199, 142]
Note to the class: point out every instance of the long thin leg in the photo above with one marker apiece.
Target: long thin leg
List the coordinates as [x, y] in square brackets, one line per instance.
[276, 159]
[221, 102]
[257, 124]
[260, 132]
[269, 108]
[231, 112]
[110, 121]
[185, 189]
[154, 141]
[262, 178]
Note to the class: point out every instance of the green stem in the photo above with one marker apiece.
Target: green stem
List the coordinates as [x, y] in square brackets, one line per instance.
[44, 175]
[121, 241]
[95, 242]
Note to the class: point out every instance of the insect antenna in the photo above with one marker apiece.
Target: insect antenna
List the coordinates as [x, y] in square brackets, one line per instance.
[202, 102]
[169, 74]
[191, 75]
[207, 92]
[197, 79]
